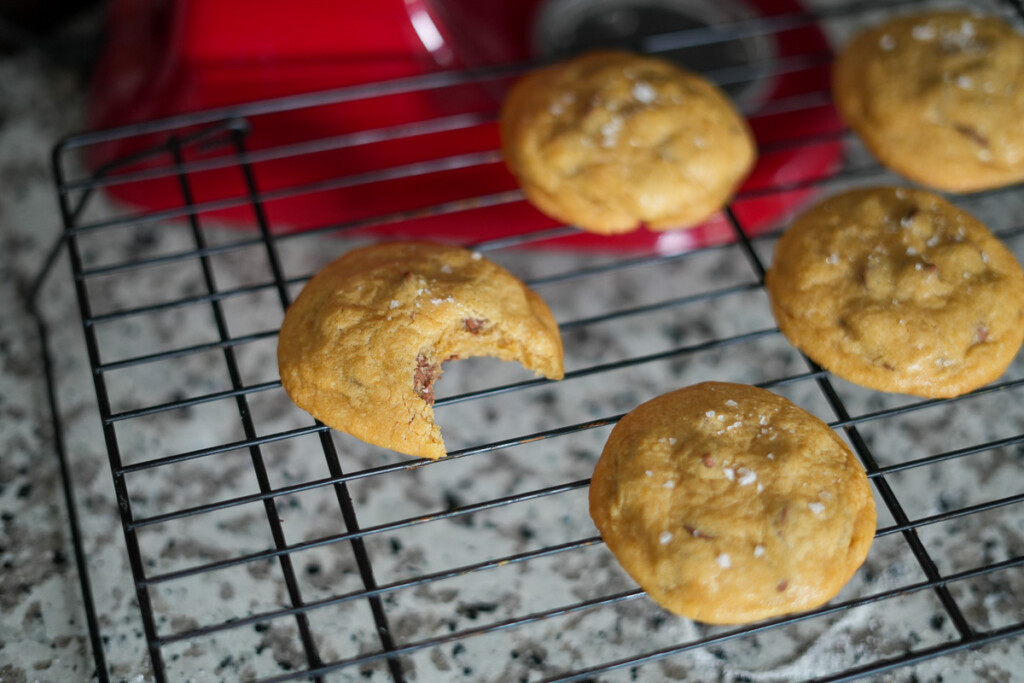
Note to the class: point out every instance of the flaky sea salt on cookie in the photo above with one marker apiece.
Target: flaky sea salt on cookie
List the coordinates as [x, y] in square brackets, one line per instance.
[363, 343]
[611, 140]
[729, 504]
[898, 290]
[938, 97]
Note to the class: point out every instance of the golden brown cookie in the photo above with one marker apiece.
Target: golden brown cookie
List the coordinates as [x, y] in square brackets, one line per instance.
[729, 504]
[898, 290]
[938, 97]
[610, 140]
[364, 342]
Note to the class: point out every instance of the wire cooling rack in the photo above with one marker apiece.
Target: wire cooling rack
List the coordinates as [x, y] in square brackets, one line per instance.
[263, 546]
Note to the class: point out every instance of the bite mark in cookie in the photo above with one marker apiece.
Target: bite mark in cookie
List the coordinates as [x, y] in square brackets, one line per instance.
[364, 343]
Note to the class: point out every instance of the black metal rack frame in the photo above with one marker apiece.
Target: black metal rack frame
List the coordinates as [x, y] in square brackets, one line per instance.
[226, 129]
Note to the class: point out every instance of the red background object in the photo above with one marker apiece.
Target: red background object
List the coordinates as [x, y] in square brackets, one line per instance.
[167, 57]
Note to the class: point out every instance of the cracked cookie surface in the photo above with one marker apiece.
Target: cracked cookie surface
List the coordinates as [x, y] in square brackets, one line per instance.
[363, 344]
[938, 98]
[898, 290]
[610, 140]
[729, 504]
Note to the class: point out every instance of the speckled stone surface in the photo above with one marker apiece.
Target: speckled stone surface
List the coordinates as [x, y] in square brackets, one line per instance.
[42, 632]
[42, 635]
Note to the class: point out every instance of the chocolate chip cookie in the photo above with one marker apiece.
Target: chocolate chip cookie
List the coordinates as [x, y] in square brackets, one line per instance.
[898, 290]
[363, 344]
[610, 140]
[938, 97]
[729, 504]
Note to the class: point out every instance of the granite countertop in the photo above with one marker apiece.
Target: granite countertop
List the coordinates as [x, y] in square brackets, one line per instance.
[42, 630]
[43, 636]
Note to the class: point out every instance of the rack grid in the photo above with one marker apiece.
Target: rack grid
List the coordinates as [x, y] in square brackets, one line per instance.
[347, 562]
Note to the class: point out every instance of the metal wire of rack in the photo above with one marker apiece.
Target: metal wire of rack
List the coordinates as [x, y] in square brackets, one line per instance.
[388, 613]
